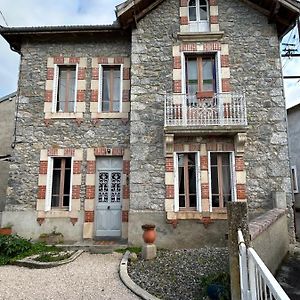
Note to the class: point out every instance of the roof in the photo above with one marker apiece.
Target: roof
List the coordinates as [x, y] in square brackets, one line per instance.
[8, 97]
[16, 35]
[293, 106]
[282, 12]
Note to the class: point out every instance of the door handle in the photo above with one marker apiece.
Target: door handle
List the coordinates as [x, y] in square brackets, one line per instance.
[108, 207]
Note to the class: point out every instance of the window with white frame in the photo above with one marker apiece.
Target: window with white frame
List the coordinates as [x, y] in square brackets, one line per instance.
[198, 15]
[187, 181]
[110, 96]
[59, 183]
[222, 179]
[64, 92]
[294, 179]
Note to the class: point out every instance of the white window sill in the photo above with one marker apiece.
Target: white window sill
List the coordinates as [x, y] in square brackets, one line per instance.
[116, 115]
[200, 36]
[64, 115]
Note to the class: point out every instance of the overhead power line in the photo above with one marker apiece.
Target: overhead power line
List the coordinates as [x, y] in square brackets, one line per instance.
[3, 18]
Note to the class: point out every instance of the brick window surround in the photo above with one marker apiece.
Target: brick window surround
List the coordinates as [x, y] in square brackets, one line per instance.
[51, 91]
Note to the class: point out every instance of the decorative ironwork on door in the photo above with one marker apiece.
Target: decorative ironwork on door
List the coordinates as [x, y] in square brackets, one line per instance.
[109, 187]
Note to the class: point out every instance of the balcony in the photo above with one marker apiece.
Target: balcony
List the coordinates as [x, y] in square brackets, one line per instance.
[223, 112]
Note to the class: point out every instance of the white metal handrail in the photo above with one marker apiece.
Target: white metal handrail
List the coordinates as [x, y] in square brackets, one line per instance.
[193, 110]
[257, 282]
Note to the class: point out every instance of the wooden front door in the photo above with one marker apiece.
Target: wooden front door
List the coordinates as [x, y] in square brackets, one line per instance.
[109, 197]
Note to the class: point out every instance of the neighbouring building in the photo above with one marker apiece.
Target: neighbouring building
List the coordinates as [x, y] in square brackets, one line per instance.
[163, 117]
[7, 125]
[293, 115]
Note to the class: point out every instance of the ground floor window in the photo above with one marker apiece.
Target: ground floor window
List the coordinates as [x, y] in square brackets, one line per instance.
[59, 182]
[187, 181]
[294, 179]
[221, 178]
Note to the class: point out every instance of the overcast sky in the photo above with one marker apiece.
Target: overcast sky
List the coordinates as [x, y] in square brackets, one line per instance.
[67, 12]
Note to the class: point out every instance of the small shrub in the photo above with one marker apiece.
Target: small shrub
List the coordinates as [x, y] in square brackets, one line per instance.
[216, 286]
[12, 245]
[136, 250]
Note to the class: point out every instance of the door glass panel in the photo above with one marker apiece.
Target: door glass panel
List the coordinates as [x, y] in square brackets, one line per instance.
[103, 187]
[192, 76]
[115, 187]
[117, 84]
[207, 71]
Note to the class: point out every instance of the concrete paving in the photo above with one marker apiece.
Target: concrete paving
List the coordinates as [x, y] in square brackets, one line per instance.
[289, 273]
[89, 277]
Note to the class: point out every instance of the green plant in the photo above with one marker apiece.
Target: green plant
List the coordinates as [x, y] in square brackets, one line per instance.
[217, 283]
[136, 250]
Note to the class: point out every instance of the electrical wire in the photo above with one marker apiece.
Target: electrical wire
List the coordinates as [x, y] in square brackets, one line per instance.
[3, 18]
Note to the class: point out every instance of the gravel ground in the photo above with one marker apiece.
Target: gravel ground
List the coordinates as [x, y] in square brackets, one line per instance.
[91, 276]
[177, 274]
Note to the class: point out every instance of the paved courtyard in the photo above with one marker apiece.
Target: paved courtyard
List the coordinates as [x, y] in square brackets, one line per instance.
[91, 276]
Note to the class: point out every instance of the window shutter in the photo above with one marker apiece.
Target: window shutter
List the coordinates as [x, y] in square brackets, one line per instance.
[75, 88]
[121, 87]
[218, 72]
[176, 188]
[233, 177]
[100, 88]
[71, 184]
[49, 184]
[55, 88]
[198, 185]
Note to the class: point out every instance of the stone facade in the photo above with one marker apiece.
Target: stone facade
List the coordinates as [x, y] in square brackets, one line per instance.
[245, 48]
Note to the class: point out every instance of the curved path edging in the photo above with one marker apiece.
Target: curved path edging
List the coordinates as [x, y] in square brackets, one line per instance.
[130, 283]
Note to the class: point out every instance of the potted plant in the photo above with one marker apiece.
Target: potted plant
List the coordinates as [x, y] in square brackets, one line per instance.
[149, 234]
[52, 238]
[6, 229]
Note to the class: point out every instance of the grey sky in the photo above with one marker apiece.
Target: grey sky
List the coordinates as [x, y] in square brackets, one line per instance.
[67, 12]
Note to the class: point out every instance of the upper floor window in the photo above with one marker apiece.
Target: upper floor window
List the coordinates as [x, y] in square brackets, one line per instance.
[65, 89]
[110, 88]
[201, 75]
[198, 15]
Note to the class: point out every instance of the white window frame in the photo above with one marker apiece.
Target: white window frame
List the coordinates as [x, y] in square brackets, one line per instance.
[232, 172]
[199, 25]
[294, 179]
[199, 53]
[198, 180]
[50, 181]
[55, 87]
[100, 87]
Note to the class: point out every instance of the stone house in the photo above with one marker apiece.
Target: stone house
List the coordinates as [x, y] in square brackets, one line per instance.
[163, 117]
[7, 122]
[293, 115]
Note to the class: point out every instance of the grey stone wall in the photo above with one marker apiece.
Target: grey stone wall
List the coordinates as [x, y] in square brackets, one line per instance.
[255, 68]
[33, 135]
[7, 123]
[152, 67]
[294, 144]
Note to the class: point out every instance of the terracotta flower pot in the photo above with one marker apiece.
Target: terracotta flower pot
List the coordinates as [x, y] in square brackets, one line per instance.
[5, 231]
[149, 234]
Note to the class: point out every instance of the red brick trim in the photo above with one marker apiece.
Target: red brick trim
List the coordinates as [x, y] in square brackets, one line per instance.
[88, 216]
[103, 151]
[94, 96]
[126, 192]
[48, 96]
[69, 152]
[91, 167]
[183, 3]
[184, 20]
[125, 96]
[80, 96]
[125, 216]
[241, 191]
[95, 73]
[225, 85]
[213, 46]
[126, 167]
[239, 164]
[214, 20]
[81, 74]
[194, 147]
[50, 73]
[126, 73]
[169, 164]
[204, 191]
[74, 60]
[204, 163]
[58, 59]
[42, 192]
[52, 152]
[188, 47]
[213, 2]
[177, 86]
[90, 192]
[178, 147]
[77, 167]
[177, 62]
[75, 191]
[170, 191]
[102, 60]
[119, 60]
[225, 60]
[43, 167]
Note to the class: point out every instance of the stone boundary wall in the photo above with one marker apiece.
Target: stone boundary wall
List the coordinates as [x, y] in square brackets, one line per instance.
[270, 238]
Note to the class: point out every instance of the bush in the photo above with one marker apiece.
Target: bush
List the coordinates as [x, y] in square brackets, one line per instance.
[216, 286]
[13, 245]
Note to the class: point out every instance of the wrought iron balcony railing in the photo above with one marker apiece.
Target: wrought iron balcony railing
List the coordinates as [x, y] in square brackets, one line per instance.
[221, 109]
